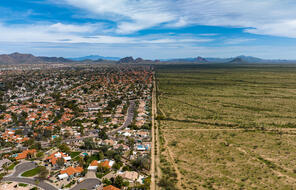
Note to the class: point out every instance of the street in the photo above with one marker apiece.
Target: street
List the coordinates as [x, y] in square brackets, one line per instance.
[23, 167]
[129, 119]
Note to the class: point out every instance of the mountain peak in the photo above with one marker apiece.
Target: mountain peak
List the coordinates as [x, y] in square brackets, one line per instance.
[201, 60]
[19, 58]
[237, 60]
[127, 60]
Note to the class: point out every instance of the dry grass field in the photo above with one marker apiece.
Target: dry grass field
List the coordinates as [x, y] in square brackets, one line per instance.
[227, 126]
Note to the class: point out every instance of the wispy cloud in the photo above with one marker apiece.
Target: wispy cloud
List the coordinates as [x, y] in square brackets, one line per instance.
[171, 28]
[271, 17]
[131, 15]
[82, 34]
[70, 28]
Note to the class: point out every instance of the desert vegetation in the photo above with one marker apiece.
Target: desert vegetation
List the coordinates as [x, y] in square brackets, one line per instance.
[227, 126]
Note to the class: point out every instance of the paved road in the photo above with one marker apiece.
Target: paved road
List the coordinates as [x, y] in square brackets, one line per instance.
[129, 119]
[21, 168]
[87, 184]
[41, 184]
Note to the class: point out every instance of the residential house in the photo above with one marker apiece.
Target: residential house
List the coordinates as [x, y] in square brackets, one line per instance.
[131, 176]
[25, 154]
[102, 163]
[110, 187]
[70, 172]
[55, 156]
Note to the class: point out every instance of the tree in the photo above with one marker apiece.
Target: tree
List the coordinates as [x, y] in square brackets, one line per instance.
[36, 146]
[29, 156]
[81, 162]
[102, 169]
[117, 165]
[102, 134]
[40, 155]
[119, 182]
[43, 172]
[131, 142]
[141, 163]
[60, 162]
[3, 108]
[99, 155]
[89, 144]
[64, 148]
[47, 133]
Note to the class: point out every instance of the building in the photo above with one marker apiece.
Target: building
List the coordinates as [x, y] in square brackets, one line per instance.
[102, 163]
[55, 156]
[70, 172]
[25, 154]
[110, 187]
[131, 176]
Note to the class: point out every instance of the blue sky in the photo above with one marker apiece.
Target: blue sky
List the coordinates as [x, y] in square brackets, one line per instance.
[151, 29]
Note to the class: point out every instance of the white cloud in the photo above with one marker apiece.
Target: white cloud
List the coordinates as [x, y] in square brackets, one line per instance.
[284, 28]
[179, 23]
[131, 15]
[62, 33]
[59, 27]
[271, 17]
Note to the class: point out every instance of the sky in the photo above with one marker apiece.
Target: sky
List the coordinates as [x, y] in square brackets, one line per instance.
[151, 29]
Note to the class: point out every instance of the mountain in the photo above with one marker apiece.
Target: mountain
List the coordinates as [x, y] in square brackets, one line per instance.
[237, 60]
[201, 60]
[139, 60]
[127, 60]
[250, 59]
[55, 59]
[94, 58]
[190, 60]
[18, 58]
[218, 60]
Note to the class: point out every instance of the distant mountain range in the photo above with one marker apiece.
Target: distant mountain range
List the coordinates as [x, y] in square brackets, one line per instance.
[239, 59]
[18, 58]
[95, 58]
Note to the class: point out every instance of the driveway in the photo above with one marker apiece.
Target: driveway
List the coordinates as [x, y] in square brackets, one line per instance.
[87, 184]
[90, 174]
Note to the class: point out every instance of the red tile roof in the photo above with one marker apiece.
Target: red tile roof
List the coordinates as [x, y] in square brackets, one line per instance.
[71, 171]
[24, 154]
[110, 187]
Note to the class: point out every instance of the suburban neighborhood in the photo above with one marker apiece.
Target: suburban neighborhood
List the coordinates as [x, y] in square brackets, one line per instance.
[80, 127]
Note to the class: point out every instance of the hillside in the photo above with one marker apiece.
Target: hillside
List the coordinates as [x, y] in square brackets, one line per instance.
[18, 58]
